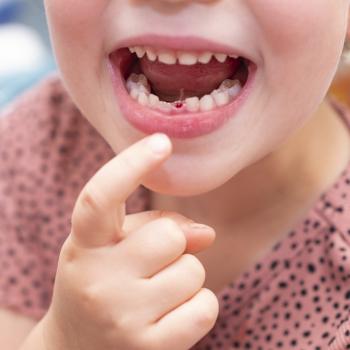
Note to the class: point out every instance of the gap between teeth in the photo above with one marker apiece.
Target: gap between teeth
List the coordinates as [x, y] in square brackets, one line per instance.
[181, 57]
[140, 90]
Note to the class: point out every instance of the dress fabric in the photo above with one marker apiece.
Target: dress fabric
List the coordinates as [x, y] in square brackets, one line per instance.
[297, 296]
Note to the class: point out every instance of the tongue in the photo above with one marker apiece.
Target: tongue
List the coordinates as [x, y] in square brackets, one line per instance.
[175, 82]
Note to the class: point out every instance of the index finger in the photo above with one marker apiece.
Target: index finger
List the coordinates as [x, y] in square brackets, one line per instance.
[99, 211]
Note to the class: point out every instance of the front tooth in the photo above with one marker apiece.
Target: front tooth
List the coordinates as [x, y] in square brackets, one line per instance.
[192, 104]
[165, 106]
[187, 58]
[132, 49]
[234, 56]
[206, 103]
[143, 99]
[140, 51]
[151, 55]
[221, 57]
[205, 57]
[221, 98]
[167, 57]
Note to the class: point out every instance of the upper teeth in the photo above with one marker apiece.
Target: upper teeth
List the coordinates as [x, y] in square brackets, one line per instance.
[183, 57]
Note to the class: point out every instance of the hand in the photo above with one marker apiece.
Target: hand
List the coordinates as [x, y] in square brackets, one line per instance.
[129, 282]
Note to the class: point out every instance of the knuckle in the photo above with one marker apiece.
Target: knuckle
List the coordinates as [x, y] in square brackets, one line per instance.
[196, 268]
[149, 341]
[154, 214]
[91, 295]
[173, 215]
[173, 233]
[123, 323]
[90, 198]
[89, 204]
[209, 310]
[136, 339]
[169, 214]
[94, 301]
[68, 253]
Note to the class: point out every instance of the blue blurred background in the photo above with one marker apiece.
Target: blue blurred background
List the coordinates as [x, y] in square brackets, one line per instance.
[25, 51]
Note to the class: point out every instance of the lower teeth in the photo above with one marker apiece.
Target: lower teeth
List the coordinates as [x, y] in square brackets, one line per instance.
[140, 90]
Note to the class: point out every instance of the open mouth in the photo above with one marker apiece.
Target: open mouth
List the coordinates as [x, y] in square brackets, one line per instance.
[185, 93]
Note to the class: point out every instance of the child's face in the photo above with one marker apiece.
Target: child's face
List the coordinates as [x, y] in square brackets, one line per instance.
[296, 45]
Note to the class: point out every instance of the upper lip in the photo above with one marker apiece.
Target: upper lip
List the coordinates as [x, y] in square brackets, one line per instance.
[181, 43]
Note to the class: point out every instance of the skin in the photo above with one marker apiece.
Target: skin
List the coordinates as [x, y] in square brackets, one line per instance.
[259, 161]
[270, 144]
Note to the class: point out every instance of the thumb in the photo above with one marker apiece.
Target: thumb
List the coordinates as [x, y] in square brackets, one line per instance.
[199, 237]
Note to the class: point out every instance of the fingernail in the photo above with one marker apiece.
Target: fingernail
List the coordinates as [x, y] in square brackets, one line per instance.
[200, 227]
[159, 143]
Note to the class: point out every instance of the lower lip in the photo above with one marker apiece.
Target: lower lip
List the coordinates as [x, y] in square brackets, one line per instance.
[181, 126]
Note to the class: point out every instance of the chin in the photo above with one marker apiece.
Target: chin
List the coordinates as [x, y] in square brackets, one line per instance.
[179, 185]
[177, 190]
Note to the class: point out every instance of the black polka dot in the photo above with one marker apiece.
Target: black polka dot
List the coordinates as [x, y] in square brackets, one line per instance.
[296, 296]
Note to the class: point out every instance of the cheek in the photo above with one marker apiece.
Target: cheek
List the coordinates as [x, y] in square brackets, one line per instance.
[74, 12]
[75, 24]
[291, 24]
[300, 47]
[301, 43]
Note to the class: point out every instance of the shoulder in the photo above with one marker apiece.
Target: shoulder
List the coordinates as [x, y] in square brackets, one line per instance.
[35, 116]
[44, 111]
[48, 151]
[43, 129]
[45, 161]
[35, 103]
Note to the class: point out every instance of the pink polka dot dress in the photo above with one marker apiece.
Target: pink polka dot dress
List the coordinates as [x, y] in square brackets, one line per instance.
[296, 297]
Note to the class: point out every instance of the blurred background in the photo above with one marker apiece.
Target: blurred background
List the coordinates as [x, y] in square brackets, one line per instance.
[25, 54]
[341, 84]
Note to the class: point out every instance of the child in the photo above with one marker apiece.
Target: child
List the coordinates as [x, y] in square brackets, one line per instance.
[254, 151]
